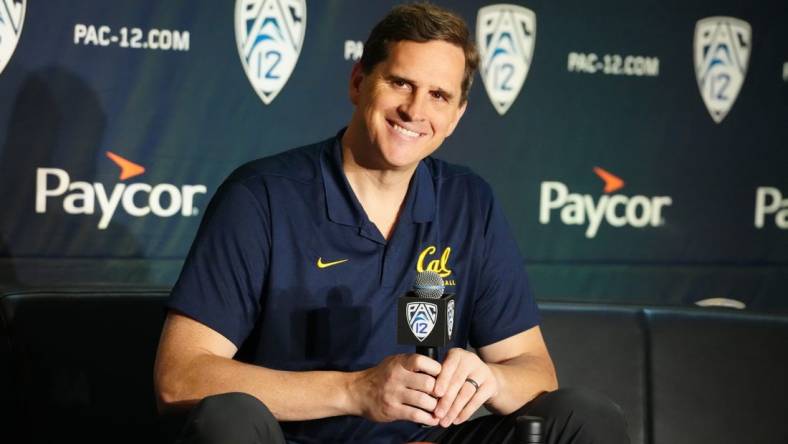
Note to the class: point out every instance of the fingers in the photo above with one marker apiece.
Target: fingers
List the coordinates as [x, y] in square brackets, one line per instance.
[409, 406]
[415, 406]
[451, 380]
[421, 382]
[449, 367]
[422, 364]
[466, 392]
[417, 415]
[400, 388]
[459, 399]
[480, 397]
[404, 387]
[450, 397]
[419, 400]
[421, 372]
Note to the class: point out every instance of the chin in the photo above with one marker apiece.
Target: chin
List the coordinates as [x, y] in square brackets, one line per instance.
[403, 157]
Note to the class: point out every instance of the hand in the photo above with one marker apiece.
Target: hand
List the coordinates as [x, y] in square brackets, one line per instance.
[459, 398]
[399, 388]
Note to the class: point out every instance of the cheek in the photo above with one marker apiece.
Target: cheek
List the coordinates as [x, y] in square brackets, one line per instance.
[386, 102]
[442, 123]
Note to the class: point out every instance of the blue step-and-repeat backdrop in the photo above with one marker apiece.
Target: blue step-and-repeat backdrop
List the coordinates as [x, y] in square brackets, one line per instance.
[639, 148]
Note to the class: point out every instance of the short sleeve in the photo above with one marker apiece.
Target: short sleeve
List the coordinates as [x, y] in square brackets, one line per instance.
[221, 282]
[504, 305]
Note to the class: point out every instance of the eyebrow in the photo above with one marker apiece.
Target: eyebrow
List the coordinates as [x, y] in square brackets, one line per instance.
[392, 77]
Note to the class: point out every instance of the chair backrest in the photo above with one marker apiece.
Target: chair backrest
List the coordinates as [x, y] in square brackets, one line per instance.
[718, 377]
[601, 348]
[681, 375]
[82, 362]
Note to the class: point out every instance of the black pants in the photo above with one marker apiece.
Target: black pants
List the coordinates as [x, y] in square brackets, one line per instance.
[571, 416]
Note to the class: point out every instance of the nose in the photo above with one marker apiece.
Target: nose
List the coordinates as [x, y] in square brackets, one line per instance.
[413, 108]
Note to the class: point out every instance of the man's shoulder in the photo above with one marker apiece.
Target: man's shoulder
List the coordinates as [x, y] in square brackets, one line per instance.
[300, 164]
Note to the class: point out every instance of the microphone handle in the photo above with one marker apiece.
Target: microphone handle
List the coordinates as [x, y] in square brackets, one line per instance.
[528, 430]
[430, 352]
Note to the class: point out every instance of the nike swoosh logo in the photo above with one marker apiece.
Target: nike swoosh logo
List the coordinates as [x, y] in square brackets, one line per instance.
[321, 264]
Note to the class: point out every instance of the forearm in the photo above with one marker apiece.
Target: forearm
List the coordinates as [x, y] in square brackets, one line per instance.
[520, 379]
[290, 396]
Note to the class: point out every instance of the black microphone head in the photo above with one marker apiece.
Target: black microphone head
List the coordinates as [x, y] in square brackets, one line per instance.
[428, 284]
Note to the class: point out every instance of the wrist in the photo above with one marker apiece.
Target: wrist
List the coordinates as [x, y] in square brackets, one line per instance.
[496, 372]
[352, 390]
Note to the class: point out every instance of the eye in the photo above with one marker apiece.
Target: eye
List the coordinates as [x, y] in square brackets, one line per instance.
[399, 83]
[437, 95]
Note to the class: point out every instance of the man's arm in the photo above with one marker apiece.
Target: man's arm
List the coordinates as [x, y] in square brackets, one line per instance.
[510, 373]
[523, 369]
[194, 361]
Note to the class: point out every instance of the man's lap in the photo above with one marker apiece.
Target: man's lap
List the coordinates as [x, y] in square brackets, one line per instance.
[569, 415]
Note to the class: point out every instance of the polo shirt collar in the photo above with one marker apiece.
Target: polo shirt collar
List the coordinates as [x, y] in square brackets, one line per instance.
[422, 194]
[341, 203]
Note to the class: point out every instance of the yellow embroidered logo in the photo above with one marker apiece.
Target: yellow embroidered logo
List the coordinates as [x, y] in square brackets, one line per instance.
[440, 265]
[321, 264]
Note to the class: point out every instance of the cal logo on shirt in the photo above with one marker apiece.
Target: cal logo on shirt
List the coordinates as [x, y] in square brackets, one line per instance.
[429, 260]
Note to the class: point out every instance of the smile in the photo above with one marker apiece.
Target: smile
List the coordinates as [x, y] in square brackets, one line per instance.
[404, 131]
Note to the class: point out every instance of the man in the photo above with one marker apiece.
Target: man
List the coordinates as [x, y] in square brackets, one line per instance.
[298, 263]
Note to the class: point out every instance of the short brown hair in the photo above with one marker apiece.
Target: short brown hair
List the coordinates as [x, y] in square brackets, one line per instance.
[421, 22]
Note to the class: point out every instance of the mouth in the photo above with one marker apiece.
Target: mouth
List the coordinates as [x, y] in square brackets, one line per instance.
[410, 134]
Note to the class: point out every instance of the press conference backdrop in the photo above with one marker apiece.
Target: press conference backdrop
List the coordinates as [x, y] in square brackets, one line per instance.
[639, 148]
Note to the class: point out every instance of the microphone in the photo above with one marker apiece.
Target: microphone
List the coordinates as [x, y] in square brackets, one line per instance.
[425, 315]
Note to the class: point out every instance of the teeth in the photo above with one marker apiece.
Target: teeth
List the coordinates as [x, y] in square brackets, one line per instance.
[405, 131]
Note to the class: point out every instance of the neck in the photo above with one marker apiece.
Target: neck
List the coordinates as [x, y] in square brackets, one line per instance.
[381, 192]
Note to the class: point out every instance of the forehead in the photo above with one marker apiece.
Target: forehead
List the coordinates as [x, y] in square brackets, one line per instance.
[435, 63]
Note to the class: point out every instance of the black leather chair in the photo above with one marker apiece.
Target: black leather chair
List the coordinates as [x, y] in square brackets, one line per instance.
[82, 364]
[681, 375]
[718, 377]
[603, 348]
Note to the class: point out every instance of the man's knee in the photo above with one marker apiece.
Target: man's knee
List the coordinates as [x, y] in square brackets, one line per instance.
[231, 417]
[582, 413]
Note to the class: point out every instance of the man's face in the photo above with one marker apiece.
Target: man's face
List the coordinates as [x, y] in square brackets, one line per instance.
[408, 104]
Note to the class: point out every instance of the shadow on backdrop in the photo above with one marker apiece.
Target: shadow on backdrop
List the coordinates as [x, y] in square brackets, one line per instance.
[57, 121]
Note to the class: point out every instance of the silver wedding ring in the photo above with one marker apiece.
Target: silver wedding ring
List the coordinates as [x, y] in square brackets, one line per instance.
[473, 383]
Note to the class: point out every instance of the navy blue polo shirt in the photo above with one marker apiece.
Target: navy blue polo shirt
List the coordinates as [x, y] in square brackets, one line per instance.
[288, 267]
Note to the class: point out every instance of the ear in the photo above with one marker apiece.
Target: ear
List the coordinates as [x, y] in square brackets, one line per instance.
[356, 77]
[457, 117]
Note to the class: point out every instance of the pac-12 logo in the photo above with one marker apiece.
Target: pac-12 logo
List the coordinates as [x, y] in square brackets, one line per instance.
[12, 17]
[450, 317]
[421, 318]
[269, 34]
[722, 48]
[506, 35]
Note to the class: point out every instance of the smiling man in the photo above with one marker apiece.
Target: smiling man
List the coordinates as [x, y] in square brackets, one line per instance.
[282, 324]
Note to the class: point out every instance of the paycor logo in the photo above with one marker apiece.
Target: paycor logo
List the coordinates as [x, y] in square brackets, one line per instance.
[163, 200]
[769, 201]
[617, 210]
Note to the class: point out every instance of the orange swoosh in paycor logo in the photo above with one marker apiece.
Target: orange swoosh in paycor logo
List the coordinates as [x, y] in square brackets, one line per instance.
[321, 264]
[612, 182]
[128, 168]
